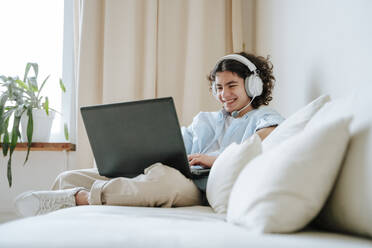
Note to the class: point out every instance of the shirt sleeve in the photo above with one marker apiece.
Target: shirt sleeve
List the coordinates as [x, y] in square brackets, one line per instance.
[187, 138]
[268, 118]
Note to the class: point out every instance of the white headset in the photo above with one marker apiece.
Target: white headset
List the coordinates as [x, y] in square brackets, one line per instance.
[253, 84]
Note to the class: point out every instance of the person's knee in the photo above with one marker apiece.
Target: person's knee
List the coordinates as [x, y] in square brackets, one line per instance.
[181, 191]
[64, 175]
[64, 180]
[161, 171]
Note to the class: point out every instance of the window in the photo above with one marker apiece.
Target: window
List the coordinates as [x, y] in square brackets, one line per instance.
[33, 31]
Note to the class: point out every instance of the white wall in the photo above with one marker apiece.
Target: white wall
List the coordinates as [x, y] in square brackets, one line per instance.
[37, 174]
[316, 47]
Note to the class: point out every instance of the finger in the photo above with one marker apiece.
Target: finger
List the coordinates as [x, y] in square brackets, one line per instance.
[194, 161]
[192, 156]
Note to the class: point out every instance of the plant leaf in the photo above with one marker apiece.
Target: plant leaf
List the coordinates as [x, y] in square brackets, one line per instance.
[46, 105]
[36, 69]
[9, 171]
[15, 132]
[34, 66]
[13, 143]
[6, 138]
[42, 85]
[3, 78]
[9, 112]
[63, 88]
[19, 111]
[33, 84]
[22, 84]
[27, 69]
[3, 100]
[66, 131]
[30, 129]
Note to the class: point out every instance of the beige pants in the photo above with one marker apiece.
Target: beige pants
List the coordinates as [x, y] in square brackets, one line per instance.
[159, 186]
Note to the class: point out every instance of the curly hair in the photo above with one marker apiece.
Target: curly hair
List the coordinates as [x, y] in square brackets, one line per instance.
[265, 71]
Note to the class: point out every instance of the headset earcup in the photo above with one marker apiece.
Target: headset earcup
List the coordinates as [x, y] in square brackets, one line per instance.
[246, 85]
[214, 90]
[254, 85]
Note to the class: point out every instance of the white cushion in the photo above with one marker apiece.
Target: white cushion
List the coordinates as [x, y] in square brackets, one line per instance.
[294, 124]
[338, 108]
[226, 169]
[97, 226]
[282, 190]
[349, 207]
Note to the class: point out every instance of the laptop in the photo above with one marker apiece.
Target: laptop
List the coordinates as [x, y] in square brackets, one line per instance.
[128, 137]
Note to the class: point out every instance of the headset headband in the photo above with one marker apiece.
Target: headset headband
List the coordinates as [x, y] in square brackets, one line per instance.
[240, 59]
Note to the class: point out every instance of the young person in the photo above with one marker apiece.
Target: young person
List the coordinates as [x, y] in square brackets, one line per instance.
[242, 83]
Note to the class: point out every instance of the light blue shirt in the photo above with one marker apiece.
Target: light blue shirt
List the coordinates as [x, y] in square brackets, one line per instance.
[208, 128]
[209, 134]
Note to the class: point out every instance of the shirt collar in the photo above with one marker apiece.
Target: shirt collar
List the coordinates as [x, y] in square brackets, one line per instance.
[223, 114]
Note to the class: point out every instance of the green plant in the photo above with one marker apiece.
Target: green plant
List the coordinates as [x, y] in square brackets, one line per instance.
[19, 97]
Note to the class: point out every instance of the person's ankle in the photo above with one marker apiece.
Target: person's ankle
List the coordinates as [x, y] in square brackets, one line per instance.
[81, 197]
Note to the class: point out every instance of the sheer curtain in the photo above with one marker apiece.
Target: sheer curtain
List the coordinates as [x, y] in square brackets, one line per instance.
[138, 49]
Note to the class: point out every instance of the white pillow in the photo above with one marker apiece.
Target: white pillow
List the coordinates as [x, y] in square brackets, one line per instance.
[294, 124]
[340, 107]
[226, 169]
[348, 208]
[282, 190]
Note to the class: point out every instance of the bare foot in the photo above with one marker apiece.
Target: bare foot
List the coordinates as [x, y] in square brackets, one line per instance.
[81, 197]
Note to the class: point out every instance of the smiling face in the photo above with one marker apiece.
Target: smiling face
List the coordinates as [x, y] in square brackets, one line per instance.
[231, 92]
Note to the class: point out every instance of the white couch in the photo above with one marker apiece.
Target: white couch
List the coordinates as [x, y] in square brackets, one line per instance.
[111, 226]
[345, 220]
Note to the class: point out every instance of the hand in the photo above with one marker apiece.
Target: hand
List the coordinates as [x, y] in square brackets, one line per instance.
[201, 159]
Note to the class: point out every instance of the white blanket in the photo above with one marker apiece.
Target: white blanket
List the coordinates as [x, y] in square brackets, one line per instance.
[112, 226]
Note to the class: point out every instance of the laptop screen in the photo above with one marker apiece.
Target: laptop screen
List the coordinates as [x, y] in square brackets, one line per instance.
[128, 137]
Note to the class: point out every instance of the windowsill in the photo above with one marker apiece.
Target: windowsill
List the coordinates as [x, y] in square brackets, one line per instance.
[46, 146]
